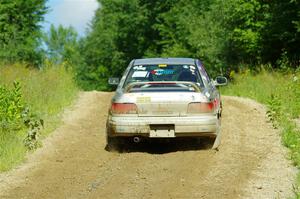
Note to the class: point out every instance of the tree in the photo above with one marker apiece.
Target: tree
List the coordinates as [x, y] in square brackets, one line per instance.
[223, 34]
[20, 30]
[116, 37]
[62, 45]
[281, 36]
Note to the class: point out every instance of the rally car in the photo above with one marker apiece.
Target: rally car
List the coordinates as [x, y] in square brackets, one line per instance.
[165, 98]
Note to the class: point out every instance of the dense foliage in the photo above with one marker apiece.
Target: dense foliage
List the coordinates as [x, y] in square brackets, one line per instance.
[62, 45]
[20, 30]
[30, 103]
[224, 34]
[16, 116]
[11, 106]
[17, 124]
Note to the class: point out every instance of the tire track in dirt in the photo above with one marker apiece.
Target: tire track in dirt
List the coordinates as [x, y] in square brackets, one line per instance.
[73, 163]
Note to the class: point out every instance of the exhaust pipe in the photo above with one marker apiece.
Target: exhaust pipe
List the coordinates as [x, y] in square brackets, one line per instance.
[136, 139]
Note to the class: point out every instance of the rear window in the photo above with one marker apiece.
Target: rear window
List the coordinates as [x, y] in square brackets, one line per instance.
[163, 72]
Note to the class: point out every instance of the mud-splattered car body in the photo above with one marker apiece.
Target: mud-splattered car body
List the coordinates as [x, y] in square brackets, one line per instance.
[165, 98]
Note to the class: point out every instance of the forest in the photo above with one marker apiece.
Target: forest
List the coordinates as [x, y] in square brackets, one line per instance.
[227, 35]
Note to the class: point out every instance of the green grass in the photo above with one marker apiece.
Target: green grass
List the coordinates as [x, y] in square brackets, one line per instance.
[280, 92]
[261, 86]
[47, 92]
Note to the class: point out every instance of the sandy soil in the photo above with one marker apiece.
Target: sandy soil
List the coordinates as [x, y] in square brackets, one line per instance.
[73, 162]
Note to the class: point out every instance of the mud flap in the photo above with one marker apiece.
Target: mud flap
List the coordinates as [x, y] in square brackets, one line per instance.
[217, 141]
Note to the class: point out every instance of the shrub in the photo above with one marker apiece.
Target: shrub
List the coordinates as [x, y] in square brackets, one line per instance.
[30, 99]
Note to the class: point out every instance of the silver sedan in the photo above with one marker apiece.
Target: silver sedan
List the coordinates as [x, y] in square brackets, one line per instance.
[165, 98]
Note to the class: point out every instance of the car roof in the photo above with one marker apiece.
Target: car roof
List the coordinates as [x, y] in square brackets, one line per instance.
[149, 61]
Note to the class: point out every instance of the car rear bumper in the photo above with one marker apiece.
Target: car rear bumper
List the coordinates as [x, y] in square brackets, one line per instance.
[183, 126]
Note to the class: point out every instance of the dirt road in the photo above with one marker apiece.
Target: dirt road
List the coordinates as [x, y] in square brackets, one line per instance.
[73, 163]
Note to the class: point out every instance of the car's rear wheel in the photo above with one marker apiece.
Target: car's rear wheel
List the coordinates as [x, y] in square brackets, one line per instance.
[112, 143]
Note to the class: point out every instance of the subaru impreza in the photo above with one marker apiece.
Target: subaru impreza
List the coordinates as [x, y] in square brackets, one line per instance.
[165, 98]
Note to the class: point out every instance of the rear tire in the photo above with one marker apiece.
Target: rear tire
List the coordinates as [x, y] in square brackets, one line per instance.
[112, 143]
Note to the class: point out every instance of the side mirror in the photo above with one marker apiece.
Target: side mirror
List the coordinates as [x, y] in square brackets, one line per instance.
[220, 81]
[113, 81]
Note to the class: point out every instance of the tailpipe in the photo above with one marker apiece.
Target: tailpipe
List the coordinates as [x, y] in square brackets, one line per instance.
[136, 139]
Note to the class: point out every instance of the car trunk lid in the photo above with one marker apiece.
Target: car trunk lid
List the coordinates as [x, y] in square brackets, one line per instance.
[163, 104]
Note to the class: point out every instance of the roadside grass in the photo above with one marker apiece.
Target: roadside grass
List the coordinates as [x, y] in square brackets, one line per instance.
[46, 93]
[280, 92]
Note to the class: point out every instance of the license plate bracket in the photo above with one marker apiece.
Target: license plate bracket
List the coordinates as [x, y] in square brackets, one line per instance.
[162, 131]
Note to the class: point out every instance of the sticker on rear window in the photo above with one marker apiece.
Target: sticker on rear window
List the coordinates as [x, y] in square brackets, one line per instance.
[162, 65]
[139, 67]
[140, 74]
[162, 72]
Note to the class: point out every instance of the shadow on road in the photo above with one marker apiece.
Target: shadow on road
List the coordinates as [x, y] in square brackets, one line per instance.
[161, 146]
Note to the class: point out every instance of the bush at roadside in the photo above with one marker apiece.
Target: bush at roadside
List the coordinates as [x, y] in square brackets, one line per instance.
[31, 101]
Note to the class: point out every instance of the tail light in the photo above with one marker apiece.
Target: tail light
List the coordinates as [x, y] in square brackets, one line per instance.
[123, 108]
[201, 107]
